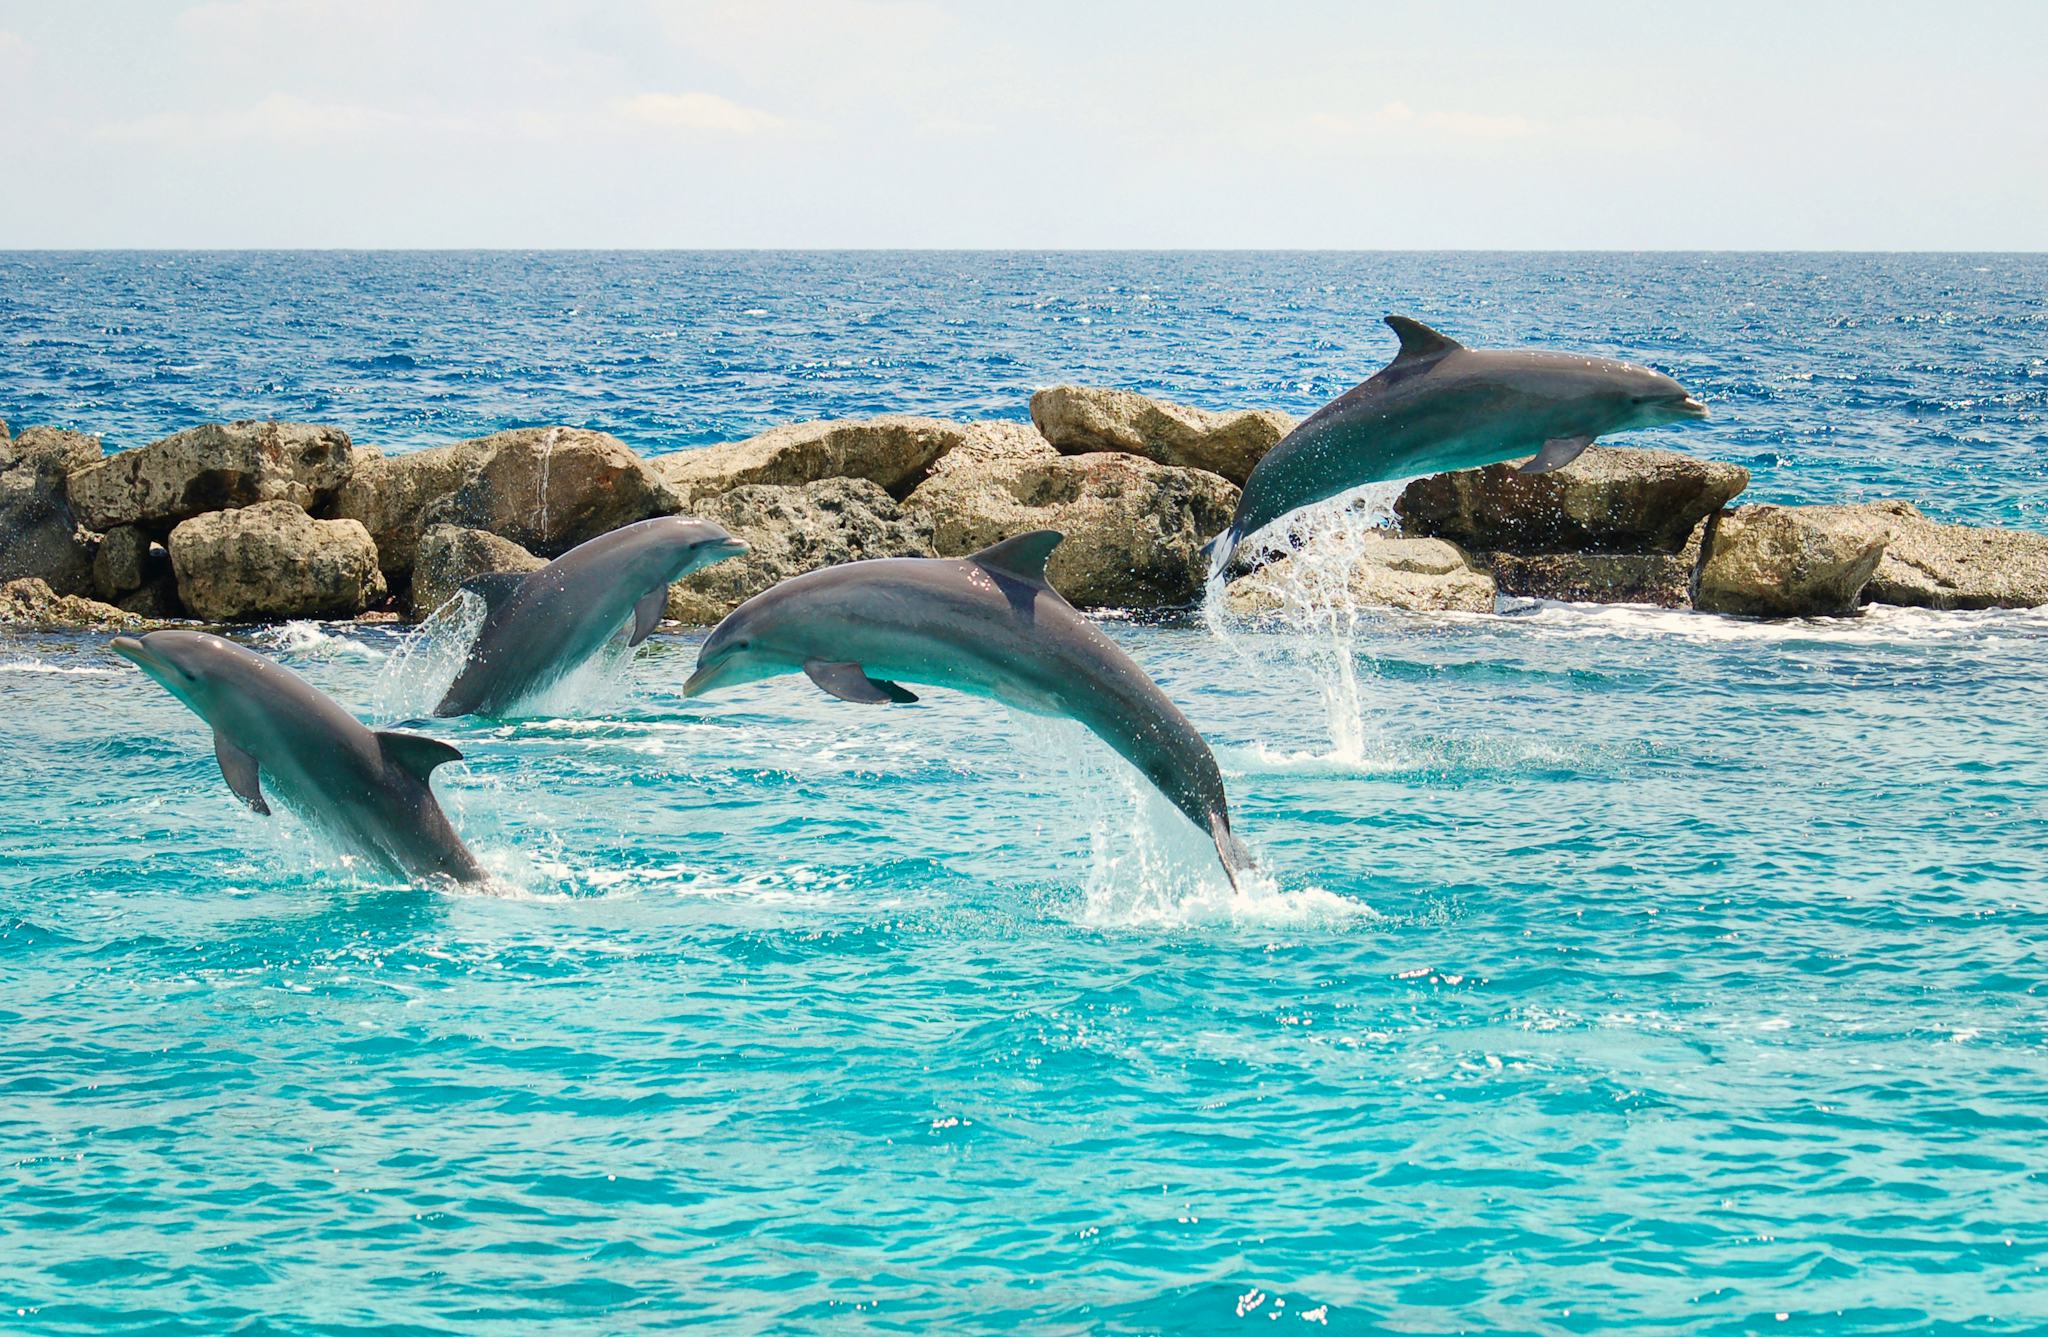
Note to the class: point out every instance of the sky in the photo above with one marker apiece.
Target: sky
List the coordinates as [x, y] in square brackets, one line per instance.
[906, 123]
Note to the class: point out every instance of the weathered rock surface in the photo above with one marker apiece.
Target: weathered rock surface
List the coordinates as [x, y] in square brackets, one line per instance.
[545, 488]
[218, 466]
[1789, 561]
[791, 530]
[1378, 569]
[1134, 528]
[31, 602]
[272, 560]
[895, 452]
[448, 556]
[1610, 499]
[119, 565]
[1082, 419]
[1663, 579]
[39, 534]
[1931, 565]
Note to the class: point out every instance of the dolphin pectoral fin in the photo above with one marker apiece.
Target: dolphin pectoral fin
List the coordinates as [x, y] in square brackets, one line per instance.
[647, 614]
[1556, 454]
[1419, 340]
[415, 754]
[495, 587]
[1023, 556]
[849, 682]
[238, 768]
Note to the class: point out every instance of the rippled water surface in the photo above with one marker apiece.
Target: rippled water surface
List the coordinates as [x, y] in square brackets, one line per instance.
[1610, 969]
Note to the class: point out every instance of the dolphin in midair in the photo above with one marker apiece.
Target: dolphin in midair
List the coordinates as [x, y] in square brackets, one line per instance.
[542, 624]
[987, 624]
[272, 728]
[1440, 406]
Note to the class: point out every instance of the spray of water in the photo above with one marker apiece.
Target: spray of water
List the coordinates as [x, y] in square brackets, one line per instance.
[418, 674]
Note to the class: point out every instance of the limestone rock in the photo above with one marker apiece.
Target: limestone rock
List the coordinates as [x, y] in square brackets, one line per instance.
[31, 602]
[1134, 528]
[1081, 419]
[1656, 578]
[1788, 561]
[895, 452]
[1377, 569]
[448, 556]
[214, 467]
[1610, 499]
[791, 530]
[118, 566]
[272, 560]
[39, 534]
[1932, 565]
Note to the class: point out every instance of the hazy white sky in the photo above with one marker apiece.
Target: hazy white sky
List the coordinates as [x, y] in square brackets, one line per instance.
[883, 123]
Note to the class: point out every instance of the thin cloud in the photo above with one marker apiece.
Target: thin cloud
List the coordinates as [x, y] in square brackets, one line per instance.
[700, 113]
[280, 118]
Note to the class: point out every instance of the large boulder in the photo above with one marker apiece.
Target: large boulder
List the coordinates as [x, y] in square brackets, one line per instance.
[32, 603]
[39, 533]
[1788, 561]
[1134, 528]
[545, 488]
[1376, 569]
[1658, 578]
[1931, 565]
[895, 452]
[448, 556]
[791, 530]
[272, 560]
[1610, 499]
[1083, 419]
[214, 467]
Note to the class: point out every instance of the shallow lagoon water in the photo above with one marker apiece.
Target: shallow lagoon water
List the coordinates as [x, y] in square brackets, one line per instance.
[1612, 969]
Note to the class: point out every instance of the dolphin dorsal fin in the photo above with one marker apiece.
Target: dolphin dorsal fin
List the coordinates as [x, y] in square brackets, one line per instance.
[415, 754]
[1419, 340]
[1023, 556]
[495, 587]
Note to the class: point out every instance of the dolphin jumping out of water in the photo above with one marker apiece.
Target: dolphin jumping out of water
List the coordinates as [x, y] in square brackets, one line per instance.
[544, 623]
[1440, 406]
[988, 625]
[271, 727]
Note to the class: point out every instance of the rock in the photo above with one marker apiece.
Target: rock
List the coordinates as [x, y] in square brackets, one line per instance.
[158, 598]
[894, 452]
[1931, 565]
[1788, 561]
[545, 488]
[1610, 499]
[1134, 528]
[448, 556]
[791, 530]
[1656, 578]
[1081, 419]
[121, 563]
[218, 466]
[272, 560]
[1376, 569]
[31, 602]
[39, 534]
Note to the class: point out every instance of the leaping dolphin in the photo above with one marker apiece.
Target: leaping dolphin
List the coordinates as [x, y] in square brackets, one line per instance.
[367, 790]
[1440, 406]
[544, 623]
[988, 625]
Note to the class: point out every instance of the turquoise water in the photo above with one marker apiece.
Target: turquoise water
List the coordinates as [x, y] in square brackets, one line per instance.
[1613, 969]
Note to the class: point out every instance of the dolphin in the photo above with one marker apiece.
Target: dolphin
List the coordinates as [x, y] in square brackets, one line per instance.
[367, 790]
[989, 625]
[1440, 406]
[544, 623]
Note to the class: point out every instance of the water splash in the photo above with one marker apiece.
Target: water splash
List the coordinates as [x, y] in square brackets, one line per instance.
[418, 673]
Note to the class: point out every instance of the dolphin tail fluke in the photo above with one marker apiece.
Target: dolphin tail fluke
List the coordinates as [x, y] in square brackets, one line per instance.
[1237, 860]
[1219, 551]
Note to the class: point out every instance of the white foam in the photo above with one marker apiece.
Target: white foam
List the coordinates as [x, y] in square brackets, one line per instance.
[31, 666]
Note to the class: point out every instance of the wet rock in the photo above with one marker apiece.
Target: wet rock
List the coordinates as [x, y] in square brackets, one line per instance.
[895, 452]
[1082, 419]
[39, 534]
[1610, 499]
[1663, 579]
[1788, 561]
[1377, 569]
[791, 530]
[31, 602]
[120, 564]
[1134, 528]
[448, 556]
[1931, 565]
[272, 560]
[218, 466]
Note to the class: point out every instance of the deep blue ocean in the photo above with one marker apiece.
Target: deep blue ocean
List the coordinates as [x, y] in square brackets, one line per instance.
[1612, 969]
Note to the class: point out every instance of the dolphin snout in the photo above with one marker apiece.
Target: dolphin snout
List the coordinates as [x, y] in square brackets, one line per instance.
[129, 648]
[1692, 407]
[699, 682]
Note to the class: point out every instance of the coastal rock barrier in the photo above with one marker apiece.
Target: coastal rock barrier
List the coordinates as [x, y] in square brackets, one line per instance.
[258, 520]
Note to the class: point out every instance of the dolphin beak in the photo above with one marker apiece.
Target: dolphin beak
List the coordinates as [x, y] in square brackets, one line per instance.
[1692, 408]
[129, 649]
[731, 548]
[700, 682]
